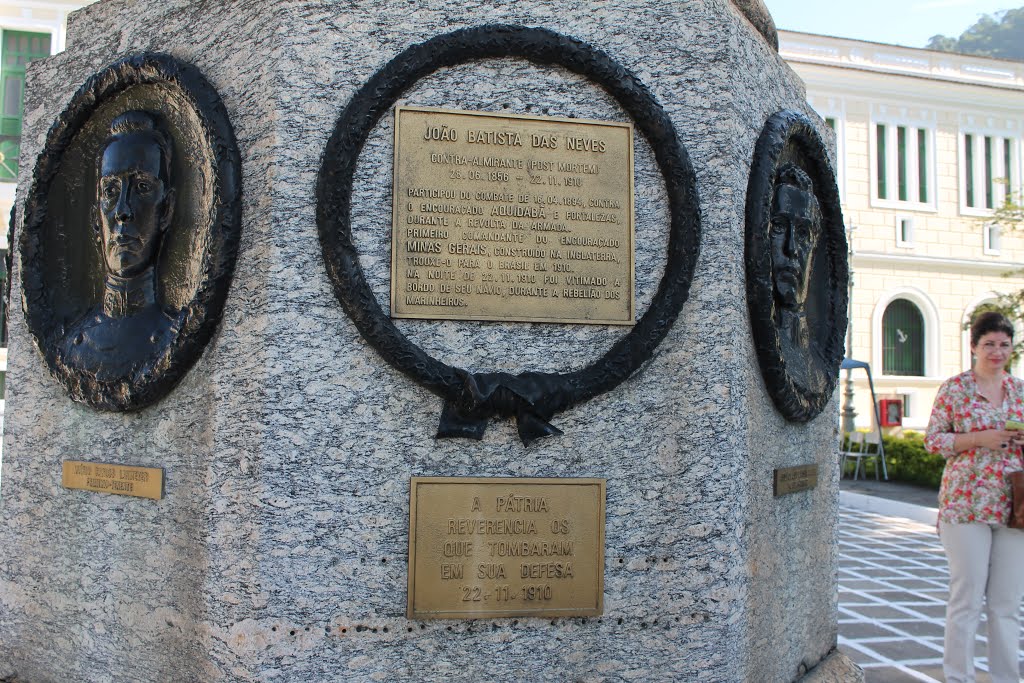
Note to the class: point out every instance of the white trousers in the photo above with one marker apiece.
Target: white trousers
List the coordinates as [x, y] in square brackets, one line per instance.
[986, 565]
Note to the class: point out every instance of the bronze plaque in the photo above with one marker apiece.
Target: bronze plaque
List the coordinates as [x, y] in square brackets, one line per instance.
[125, 480]
[794, 479]
[490, 547]
[510, 217]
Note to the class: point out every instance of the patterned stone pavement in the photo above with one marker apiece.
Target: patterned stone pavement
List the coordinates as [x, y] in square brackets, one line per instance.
[892, 598]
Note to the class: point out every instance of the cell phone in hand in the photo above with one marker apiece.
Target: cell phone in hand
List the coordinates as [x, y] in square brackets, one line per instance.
[1014, 424]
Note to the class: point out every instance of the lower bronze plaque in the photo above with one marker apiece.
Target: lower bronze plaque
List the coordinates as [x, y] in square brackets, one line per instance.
[794, 479]
[481, 547]
[142, 482]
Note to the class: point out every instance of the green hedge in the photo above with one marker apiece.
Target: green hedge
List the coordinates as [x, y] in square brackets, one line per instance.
[908, 461]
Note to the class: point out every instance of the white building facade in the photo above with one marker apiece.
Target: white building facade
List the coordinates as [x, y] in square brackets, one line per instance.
[927, 144]
[29, 29]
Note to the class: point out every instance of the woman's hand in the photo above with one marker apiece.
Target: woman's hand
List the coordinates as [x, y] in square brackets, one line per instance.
[993, 439]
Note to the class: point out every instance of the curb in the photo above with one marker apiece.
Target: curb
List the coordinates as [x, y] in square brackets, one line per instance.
[889, 508]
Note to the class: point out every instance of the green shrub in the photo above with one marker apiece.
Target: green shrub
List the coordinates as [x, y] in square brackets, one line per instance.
[907, 461]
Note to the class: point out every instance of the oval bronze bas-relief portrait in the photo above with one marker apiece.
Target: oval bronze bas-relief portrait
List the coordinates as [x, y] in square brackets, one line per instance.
[131, 231]
[797, 268]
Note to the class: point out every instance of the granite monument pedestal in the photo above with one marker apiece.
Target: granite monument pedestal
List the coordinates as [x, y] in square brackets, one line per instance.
[279, 551]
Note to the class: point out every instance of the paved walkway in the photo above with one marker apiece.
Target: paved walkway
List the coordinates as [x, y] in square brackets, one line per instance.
[892, 597]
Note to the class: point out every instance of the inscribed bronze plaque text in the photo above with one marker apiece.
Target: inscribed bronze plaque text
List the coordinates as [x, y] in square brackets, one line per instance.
[485, 547]
[794, 479]
[511, 217]
[125, 480]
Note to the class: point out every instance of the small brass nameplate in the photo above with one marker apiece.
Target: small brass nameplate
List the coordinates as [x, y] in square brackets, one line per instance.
[509, 217]
[491, 547]
[125, 480]
[794, 479]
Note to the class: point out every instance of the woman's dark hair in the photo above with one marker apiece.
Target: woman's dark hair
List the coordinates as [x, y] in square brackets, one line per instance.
[990, 322]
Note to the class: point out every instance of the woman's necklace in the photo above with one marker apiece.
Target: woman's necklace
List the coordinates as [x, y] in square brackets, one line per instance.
[991, 387]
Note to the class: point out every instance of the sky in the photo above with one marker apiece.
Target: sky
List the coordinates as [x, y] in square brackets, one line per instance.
[900, 22]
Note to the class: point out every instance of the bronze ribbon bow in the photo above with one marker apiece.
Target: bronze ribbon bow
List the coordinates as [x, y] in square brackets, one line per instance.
[532, 398]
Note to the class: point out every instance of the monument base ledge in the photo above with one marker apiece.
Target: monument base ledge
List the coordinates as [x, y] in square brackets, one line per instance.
[835, 668]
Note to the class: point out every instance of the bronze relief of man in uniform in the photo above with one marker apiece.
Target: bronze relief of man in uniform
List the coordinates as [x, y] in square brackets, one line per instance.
[797, 274]
[135, 205]
[794, 228]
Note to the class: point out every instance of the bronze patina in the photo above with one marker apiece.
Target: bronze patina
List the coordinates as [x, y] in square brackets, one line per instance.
[482, 547]
[124, 480]
[130, 231]
[135, 197]
[794, 479]
[797, 271]
[511, 217]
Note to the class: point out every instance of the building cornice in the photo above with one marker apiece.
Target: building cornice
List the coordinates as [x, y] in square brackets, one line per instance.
[859, 55]
[991, 267]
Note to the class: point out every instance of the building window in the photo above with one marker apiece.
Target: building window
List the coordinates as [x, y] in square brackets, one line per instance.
[991, 238]
[987, 171]
[902, 339]
[905, 232]
[831, 109]
[836, 125]
[17, 48]
[902, 169]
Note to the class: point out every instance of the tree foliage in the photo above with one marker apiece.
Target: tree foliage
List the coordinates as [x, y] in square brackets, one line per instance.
[1000, 35]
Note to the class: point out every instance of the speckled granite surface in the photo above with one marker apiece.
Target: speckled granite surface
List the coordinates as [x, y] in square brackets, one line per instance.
[279, 553]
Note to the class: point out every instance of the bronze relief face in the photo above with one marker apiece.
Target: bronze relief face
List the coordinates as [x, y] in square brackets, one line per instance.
[796, 266]
[130, 232]
[794, 229]
[136, 196]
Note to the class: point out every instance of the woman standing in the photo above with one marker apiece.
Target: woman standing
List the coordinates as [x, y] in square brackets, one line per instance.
[986, 558]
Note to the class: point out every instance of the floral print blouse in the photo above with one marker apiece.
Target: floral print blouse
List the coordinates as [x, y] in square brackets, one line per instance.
[974, 487]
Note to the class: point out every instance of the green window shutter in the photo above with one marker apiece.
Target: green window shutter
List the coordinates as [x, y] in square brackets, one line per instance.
[969, 165]
[922, 166]
[902, 339]
[880, 161]
[989, 185]
[901, 161]
[17, 48]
